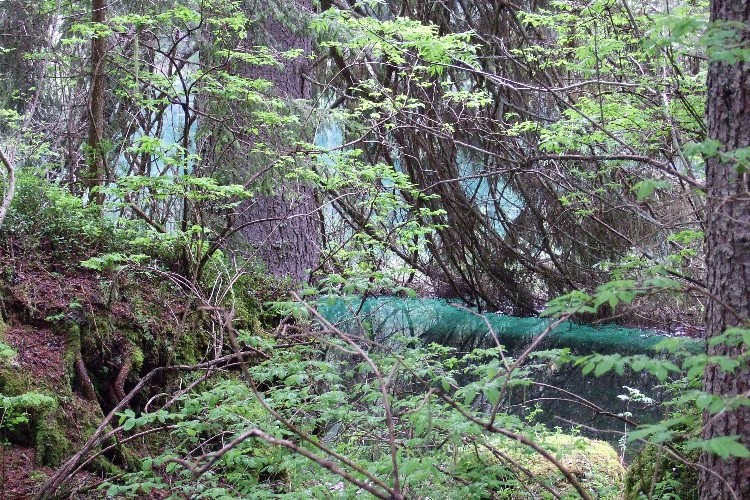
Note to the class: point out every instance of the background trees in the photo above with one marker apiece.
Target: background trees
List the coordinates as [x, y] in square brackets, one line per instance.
[551, 149]
[548, 142]
[510, 155]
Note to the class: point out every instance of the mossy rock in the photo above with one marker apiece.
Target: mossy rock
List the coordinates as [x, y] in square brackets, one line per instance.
[13, 382]
[595, 464]
[23, 415]
[656, 474]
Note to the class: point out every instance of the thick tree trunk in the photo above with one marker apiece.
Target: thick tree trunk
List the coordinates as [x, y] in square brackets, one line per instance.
[283, 227]
[728, 257]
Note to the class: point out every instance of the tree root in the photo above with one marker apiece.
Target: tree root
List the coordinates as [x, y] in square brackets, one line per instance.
[89, 392]
[122, 375]
[81, 458]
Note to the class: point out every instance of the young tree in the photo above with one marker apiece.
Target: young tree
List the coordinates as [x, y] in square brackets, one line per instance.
[96, 165]
[728, 247]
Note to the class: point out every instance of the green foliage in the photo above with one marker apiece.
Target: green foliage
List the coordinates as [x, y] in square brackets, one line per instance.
[655, 473]
[724, 446]
[627, 139]
[397, 39]
[724, 42]
[49, 216]
[20, 409]
[205, 419]
[337, 399]
[110, 261]
[15, 409]
[366, 260]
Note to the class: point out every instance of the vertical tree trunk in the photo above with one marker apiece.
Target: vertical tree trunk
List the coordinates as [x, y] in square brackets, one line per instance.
[283, 227]
[728, 256]
[94, 153]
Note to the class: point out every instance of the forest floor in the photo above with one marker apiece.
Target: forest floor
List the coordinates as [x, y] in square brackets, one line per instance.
[30, 301]
[40, 356]
[36, 298]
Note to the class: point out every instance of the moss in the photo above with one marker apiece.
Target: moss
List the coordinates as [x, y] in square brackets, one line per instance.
[136, 359]
[72, 350]
[38, 414]
[145, 350]
[595, 465]
[52, 445]
[191, 347]
[655, 474]
[105, 467]
[13, 382]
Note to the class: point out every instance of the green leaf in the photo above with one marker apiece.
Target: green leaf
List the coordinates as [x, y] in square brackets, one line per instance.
[492, 394]
[446, 385]
[724, 446]
[604, 366]
[646, 187]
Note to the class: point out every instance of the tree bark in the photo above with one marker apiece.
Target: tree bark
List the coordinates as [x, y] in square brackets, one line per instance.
[283, 227]
[95, 155]
[728, 257]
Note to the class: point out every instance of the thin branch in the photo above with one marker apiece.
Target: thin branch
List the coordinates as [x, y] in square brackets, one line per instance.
[323, 462]
[10, 187]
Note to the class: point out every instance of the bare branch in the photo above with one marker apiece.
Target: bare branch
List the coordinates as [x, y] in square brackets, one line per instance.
[10, 185]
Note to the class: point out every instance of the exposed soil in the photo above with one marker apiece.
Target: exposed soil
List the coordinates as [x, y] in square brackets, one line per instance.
[39, 352]
[19, 476]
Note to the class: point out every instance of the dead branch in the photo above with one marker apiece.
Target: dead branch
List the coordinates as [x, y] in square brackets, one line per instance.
[10, 187]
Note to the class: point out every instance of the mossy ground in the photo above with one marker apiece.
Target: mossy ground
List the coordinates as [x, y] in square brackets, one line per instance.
[52, 319]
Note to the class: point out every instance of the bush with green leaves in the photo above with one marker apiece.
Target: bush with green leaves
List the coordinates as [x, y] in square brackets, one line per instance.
[339, 416]
[17, 407]
[46, 216]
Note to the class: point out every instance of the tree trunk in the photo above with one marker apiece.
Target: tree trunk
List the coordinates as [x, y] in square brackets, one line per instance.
[728, 257]
[283, 227]
[95, 155]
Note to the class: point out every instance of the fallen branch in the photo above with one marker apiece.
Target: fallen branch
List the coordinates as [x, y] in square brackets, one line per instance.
[10, 187]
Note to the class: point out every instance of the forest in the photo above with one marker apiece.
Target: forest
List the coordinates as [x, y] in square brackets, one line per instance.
[397, 249]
